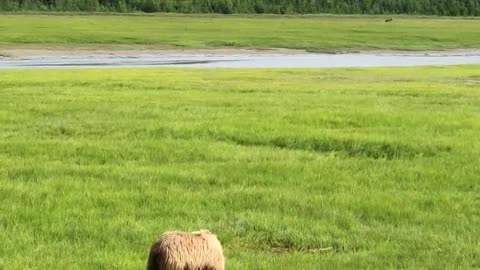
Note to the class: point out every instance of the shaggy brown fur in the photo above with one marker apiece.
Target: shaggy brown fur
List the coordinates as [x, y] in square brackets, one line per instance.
[186, 251]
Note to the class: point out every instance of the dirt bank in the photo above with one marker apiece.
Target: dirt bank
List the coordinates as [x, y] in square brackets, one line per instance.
[33, 52]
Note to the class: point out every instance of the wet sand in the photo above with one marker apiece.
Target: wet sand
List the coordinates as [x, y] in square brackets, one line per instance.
[33, 52]
[227, 58]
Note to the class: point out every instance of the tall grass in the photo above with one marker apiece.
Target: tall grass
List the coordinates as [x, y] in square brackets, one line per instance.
[323, 33]
[303, 169]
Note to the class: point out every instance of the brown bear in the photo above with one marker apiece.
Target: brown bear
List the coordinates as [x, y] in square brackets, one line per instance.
[186, 251]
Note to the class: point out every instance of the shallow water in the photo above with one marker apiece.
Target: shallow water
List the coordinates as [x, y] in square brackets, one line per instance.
[242, 61]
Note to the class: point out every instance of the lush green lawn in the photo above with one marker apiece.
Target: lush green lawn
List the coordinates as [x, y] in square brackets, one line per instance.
[380, 167]
[320, 33]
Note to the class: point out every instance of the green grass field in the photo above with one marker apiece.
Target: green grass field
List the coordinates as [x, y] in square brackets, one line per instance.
[303, 169]
[316, 33]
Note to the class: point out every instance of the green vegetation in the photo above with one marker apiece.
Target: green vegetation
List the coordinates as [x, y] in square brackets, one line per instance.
[430, 7]
[311, 33]
[293, 169]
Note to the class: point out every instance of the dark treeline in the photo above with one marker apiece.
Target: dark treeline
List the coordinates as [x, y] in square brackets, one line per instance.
[426, 7]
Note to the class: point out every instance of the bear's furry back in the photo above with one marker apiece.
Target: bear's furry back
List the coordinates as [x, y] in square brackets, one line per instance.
[186, 251]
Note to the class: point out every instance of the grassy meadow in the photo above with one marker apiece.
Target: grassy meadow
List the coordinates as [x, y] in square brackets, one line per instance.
[303, 169]
[315, 33]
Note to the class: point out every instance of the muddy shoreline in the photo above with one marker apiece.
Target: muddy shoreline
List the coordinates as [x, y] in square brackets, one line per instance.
[41, 52]
[227, 58]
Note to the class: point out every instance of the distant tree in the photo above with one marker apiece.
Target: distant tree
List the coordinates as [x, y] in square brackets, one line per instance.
[222, 6]
[149, 6]
[259, 7]
[67, 5]
[9, 5]
[90, 5]
[122, 6]
[428, 7]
